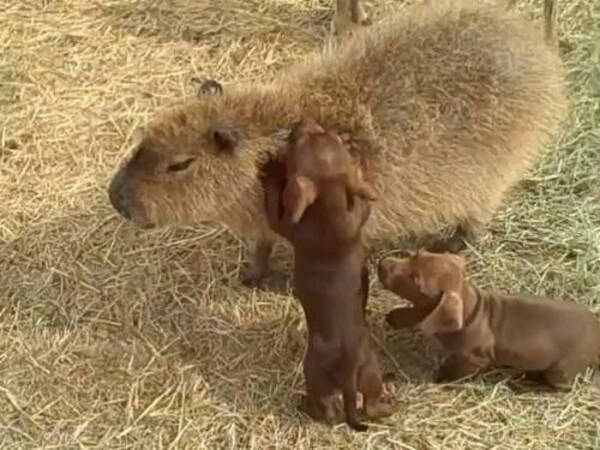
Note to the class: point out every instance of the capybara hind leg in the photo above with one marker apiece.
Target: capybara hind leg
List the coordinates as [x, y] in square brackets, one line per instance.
[559, 378]
[254, 274]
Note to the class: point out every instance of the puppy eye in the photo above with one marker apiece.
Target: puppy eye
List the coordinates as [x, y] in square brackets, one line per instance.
[180, 165]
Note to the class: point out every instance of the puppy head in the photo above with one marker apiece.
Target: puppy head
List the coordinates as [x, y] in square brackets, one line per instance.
[424, 277]
[315, 154]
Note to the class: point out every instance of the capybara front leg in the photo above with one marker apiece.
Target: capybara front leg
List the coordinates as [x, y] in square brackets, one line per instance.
[254, 274]
[349, 15]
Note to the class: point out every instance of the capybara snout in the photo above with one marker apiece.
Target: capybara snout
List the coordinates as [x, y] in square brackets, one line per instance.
[117, 193]
[122, 195]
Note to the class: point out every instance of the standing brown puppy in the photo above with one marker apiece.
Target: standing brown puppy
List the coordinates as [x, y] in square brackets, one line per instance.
[549, 340]
[321, 211]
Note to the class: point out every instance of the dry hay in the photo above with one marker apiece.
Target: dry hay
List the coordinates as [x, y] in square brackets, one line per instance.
[116, 337]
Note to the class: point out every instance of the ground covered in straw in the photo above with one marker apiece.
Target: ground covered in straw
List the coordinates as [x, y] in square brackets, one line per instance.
[116, 337]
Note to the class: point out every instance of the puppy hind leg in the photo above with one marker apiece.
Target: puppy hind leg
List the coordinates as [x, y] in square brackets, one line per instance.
[370, 384]
[349, 396]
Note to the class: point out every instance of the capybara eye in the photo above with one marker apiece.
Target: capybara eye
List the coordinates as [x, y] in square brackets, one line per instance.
[180, 166]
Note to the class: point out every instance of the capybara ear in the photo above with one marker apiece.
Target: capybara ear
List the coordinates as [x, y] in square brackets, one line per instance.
[447, 317]
[208, 86]
[225, 138]
[299, 193]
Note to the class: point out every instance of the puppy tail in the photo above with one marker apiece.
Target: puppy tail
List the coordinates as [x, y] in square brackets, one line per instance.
[349, 396]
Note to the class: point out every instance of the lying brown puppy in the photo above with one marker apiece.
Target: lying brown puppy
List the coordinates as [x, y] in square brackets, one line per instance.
[321, 211]
[550, 340]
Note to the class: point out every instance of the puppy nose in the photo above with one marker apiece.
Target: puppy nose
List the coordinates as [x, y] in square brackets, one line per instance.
[383, 269]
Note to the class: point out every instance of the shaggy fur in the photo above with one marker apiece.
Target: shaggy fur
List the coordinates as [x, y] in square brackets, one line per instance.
[552, 341]
[450, 104]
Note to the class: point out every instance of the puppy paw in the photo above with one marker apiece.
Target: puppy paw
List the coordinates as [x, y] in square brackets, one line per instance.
[381, 408]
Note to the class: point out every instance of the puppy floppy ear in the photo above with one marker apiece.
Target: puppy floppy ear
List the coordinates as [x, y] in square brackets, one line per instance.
[299, 193]
[447, 317]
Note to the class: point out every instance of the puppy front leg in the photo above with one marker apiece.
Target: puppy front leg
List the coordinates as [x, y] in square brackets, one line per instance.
[407, 317]
[456, 367]
[359, 212]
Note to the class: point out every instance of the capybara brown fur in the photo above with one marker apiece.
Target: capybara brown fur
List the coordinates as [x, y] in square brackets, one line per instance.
[552, 341]
[321, 210]
[448, 103]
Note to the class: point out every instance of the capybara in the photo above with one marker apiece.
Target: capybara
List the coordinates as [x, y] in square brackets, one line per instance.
[445, 104]
[321, 211]
[552, 341]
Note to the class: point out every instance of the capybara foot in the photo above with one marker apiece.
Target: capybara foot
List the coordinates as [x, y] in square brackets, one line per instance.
[342, 26]
[453, 244]
[457, 241]
[252, 276]
[360, 427]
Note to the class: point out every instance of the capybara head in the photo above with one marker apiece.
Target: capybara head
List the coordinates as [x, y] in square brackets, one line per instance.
[434, 275]
[315, 155]
[186, 162]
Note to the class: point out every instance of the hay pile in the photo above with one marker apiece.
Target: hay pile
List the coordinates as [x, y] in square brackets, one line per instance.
[116, 337]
